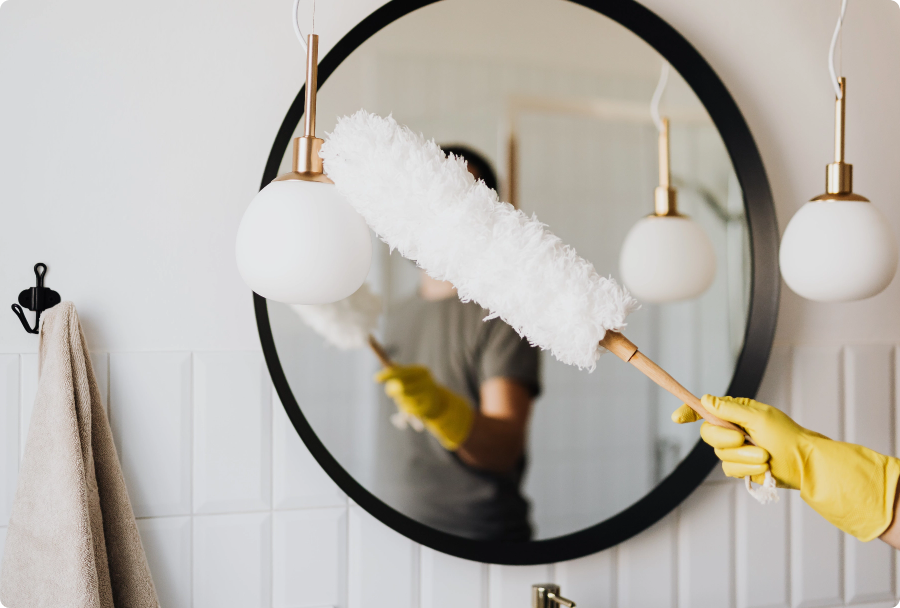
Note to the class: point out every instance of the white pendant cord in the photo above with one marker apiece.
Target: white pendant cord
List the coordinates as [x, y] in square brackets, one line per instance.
[657, 95]
[295, 19]
[834, 38]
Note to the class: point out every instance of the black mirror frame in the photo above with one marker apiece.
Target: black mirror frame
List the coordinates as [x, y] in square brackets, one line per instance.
[751, 363]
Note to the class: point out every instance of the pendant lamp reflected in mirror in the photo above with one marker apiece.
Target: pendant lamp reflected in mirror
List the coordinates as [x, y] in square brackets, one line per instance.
[666, 257]
[300, 241]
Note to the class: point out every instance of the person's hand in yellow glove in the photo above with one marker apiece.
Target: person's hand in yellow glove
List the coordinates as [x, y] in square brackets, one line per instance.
[446, 415]
[851, 486]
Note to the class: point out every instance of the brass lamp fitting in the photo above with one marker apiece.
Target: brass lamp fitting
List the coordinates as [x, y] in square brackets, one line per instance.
[307, 165]
[665, 197]
[839, 175]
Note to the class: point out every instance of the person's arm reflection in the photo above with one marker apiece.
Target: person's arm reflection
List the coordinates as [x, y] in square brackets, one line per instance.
[497, 439]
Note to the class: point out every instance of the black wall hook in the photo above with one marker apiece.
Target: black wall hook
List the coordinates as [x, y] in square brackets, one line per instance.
[37, 298]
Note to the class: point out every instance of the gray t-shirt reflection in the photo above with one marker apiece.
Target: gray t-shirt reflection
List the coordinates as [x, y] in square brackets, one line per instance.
[417, 476]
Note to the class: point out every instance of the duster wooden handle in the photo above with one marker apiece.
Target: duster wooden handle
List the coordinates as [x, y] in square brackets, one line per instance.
[625, 350]
[379, 351]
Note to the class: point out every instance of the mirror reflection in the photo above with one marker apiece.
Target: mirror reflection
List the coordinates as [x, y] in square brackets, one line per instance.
[472, 431]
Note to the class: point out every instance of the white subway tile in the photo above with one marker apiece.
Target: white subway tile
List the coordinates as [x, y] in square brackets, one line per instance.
[510, 586]
[646, 567]
[816, 552]
[449, 582]
[869, 571]
[9, 433]
[775, 388]
[28, 384]
[763, 551]
[167, 543]
[816, 545]
[589, 581]
[706, 547]
[232, 560]
[816, 390]
[868, 398]
[232, 433]
[150, 414]
[310, 558]
[868, 373]
[299, 481]
[383, 569]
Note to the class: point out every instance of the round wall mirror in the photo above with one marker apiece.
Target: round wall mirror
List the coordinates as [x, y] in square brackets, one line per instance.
[549, 102]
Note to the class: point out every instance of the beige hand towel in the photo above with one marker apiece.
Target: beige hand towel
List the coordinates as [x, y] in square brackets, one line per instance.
[72, 540]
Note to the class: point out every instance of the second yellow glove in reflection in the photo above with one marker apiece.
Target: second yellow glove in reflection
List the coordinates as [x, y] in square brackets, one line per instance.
[446, 415]
[851, 486]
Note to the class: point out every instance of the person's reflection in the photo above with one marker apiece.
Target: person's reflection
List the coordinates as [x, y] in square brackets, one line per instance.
[473, 383]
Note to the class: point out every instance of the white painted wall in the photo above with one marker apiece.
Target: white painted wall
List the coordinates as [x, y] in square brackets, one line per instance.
[132, 137]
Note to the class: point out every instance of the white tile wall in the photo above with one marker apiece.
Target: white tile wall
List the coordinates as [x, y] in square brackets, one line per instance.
[310, 564]
[167, 543]
[448, 581]
[232, 433]
[510, 586]
[233, 560]
[762, 556]
[646, 569]
[591, 579]
[383, 566]
[299, 481]
[186, 425]
[150, 414]
[706, 547]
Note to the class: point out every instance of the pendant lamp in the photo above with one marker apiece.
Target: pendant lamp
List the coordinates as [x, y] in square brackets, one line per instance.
[300, 241]
[666, 257]
[838, 247]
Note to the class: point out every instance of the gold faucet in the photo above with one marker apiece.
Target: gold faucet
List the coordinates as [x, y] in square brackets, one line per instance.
[547, 596]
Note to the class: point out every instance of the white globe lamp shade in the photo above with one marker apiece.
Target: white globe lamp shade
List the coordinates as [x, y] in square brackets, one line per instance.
[666, 259]
[838, 251]
[301, 242]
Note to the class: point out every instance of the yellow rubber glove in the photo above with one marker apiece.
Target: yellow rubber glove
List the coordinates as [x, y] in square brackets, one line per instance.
[851, 486]
[446, 415]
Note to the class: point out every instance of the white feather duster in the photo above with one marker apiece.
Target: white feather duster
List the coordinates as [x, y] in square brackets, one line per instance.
[346, 323]
[430, 208]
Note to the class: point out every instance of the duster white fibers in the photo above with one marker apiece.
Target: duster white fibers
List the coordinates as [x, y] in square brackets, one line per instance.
[431, 209]
[346, 323]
